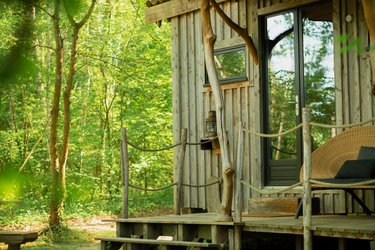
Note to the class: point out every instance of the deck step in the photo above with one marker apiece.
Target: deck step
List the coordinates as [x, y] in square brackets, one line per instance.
[116, 242]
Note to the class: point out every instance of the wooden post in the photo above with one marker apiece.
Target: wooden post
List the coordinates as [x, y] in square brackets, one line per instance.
[178, 172]
[125, 174]
[225, 212]
[307, 233]
[238, 191]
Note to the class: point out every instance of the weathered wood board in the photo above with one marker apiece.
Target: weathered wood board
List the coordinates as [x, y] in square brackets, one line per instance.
[278, 206]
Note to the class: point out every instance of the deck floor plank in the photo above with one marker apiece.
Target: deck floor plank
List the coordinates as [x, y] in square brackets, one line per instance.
[347, 226]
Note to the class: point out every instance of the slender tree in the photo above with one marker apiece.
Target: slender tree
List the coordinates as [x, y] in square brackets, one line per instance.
[59, 158]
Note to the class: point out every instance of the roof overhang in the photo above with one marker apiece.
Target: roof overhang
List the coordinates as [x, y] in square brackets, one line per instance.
[171, 9]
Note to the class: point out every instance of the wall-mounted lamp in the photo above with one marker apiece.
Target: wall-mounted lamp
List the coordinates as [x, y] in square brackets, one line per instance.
[211, 128]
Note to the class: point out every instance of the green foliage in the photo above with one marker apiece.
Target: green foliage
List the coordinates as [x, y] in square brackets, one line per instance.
[74, 7]
[16, 54]
[123, 78]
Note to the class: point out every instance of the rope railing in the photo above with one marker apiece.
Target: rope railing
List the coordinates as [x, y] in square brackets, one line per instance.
[153, 150]
[342, 185]
[273, 135]
[270, 192]
[153, 189]
[171, 146]
[219, 181]
[315, 124]
[321, 125]
[174, 184]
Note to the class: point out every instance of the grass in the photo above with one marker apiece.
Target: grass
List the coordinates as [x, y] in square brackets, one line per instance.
[82, 220]
[77, 232]
[68, 238]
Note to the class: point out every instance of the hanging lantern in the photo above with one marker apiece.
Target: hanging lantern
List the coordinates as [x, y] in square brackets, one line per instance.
[211, 128]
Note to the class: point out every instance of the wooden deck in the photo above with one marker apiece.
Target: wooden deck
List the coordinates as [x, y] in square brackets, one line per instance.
[341, 226]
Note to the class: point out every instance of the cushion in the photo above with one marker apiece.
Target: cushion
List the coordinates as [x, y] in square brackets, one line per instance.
[366, 153]
[357, 169]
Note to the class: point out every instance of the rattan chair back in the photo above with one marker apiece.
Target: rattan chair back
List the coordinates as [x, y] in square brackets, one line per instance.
[328, 158]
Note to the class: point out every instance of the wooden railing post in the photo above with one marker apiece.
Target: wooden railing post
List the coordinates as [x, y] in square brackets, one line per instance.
[238, 188]
[125, 174]
[179, 171]
[307, 217]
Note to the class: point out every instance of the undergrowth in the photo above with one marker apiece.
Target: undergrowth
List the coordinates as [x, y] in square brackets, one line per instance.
[30, 213]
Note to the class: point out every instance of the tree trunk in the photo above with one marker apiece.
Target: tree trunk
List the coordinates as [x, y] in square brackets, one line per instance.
[57, 192]
[369, 10]
[58, 162]
[228, 171]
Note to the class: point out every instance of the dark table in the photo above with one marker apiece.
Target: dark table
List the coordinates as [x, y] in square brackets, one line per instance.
[14, 239]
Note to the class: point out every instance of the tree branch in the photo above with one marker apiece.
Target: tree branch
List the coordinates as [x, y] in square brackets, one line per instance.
[228, 171]
[44, 10]
[79, 25]
[272, 43]
[243, 32]
[44, 46]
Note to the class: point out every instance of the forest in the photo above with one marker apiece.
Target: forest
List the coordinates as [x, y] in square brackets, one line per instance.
[72, 74]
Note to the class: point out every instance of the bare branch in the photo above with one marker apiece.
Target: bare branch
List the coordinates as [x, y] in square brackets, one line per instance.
[44, 46]
[240, 31]
[44, 10]
[279, 38]
[228, 171]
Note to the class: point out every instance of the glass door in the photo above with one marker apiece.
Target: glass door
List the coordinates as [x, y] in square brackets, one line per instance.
[298, 73]
[282, 106]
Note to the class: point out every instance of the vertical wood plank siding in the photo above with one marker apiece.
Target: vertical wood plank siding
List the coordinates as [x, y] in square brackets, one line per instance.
[354, 102]
[192, 101]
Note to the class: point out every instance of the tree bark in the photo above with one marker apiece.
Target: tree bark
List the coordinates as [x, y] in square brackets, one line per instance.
[369, 10]
[57, 192]
[225, 212]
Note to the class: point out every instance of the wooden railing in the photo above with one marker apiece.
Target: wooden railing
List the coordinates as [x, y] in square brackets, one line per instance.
[178, 171]
[306, 182]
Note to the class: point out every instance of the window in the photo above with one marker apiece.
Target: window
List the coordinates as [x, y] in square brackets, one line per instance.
[230, 64]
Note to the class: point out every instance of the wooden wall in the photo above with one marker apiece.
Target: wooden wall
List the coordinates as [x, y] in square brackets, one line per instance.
[354, 102]
[192, 100]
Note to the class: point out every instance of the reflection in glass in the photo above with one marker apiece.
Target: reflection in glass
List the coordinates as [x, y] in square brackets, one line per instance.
[318, 74]
[231, 64]
[281, 85]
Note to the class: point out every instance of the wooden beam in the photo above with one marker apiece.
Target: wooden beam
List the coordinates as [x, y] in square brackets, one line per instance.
[307, 201]
[242, 32]
[283, 6]
[171, 9]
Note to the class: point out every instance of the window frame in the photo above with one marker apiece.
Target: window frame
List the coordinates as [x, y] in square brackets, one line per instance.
[233, 48]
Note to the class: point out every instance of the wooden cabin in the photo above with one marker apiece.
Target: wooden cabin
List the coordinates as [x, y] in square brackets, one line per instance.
[312, 54]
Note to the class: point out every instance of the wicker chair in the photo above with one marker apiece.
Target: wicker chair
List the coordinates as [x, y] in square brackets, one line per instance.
[328, 158]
